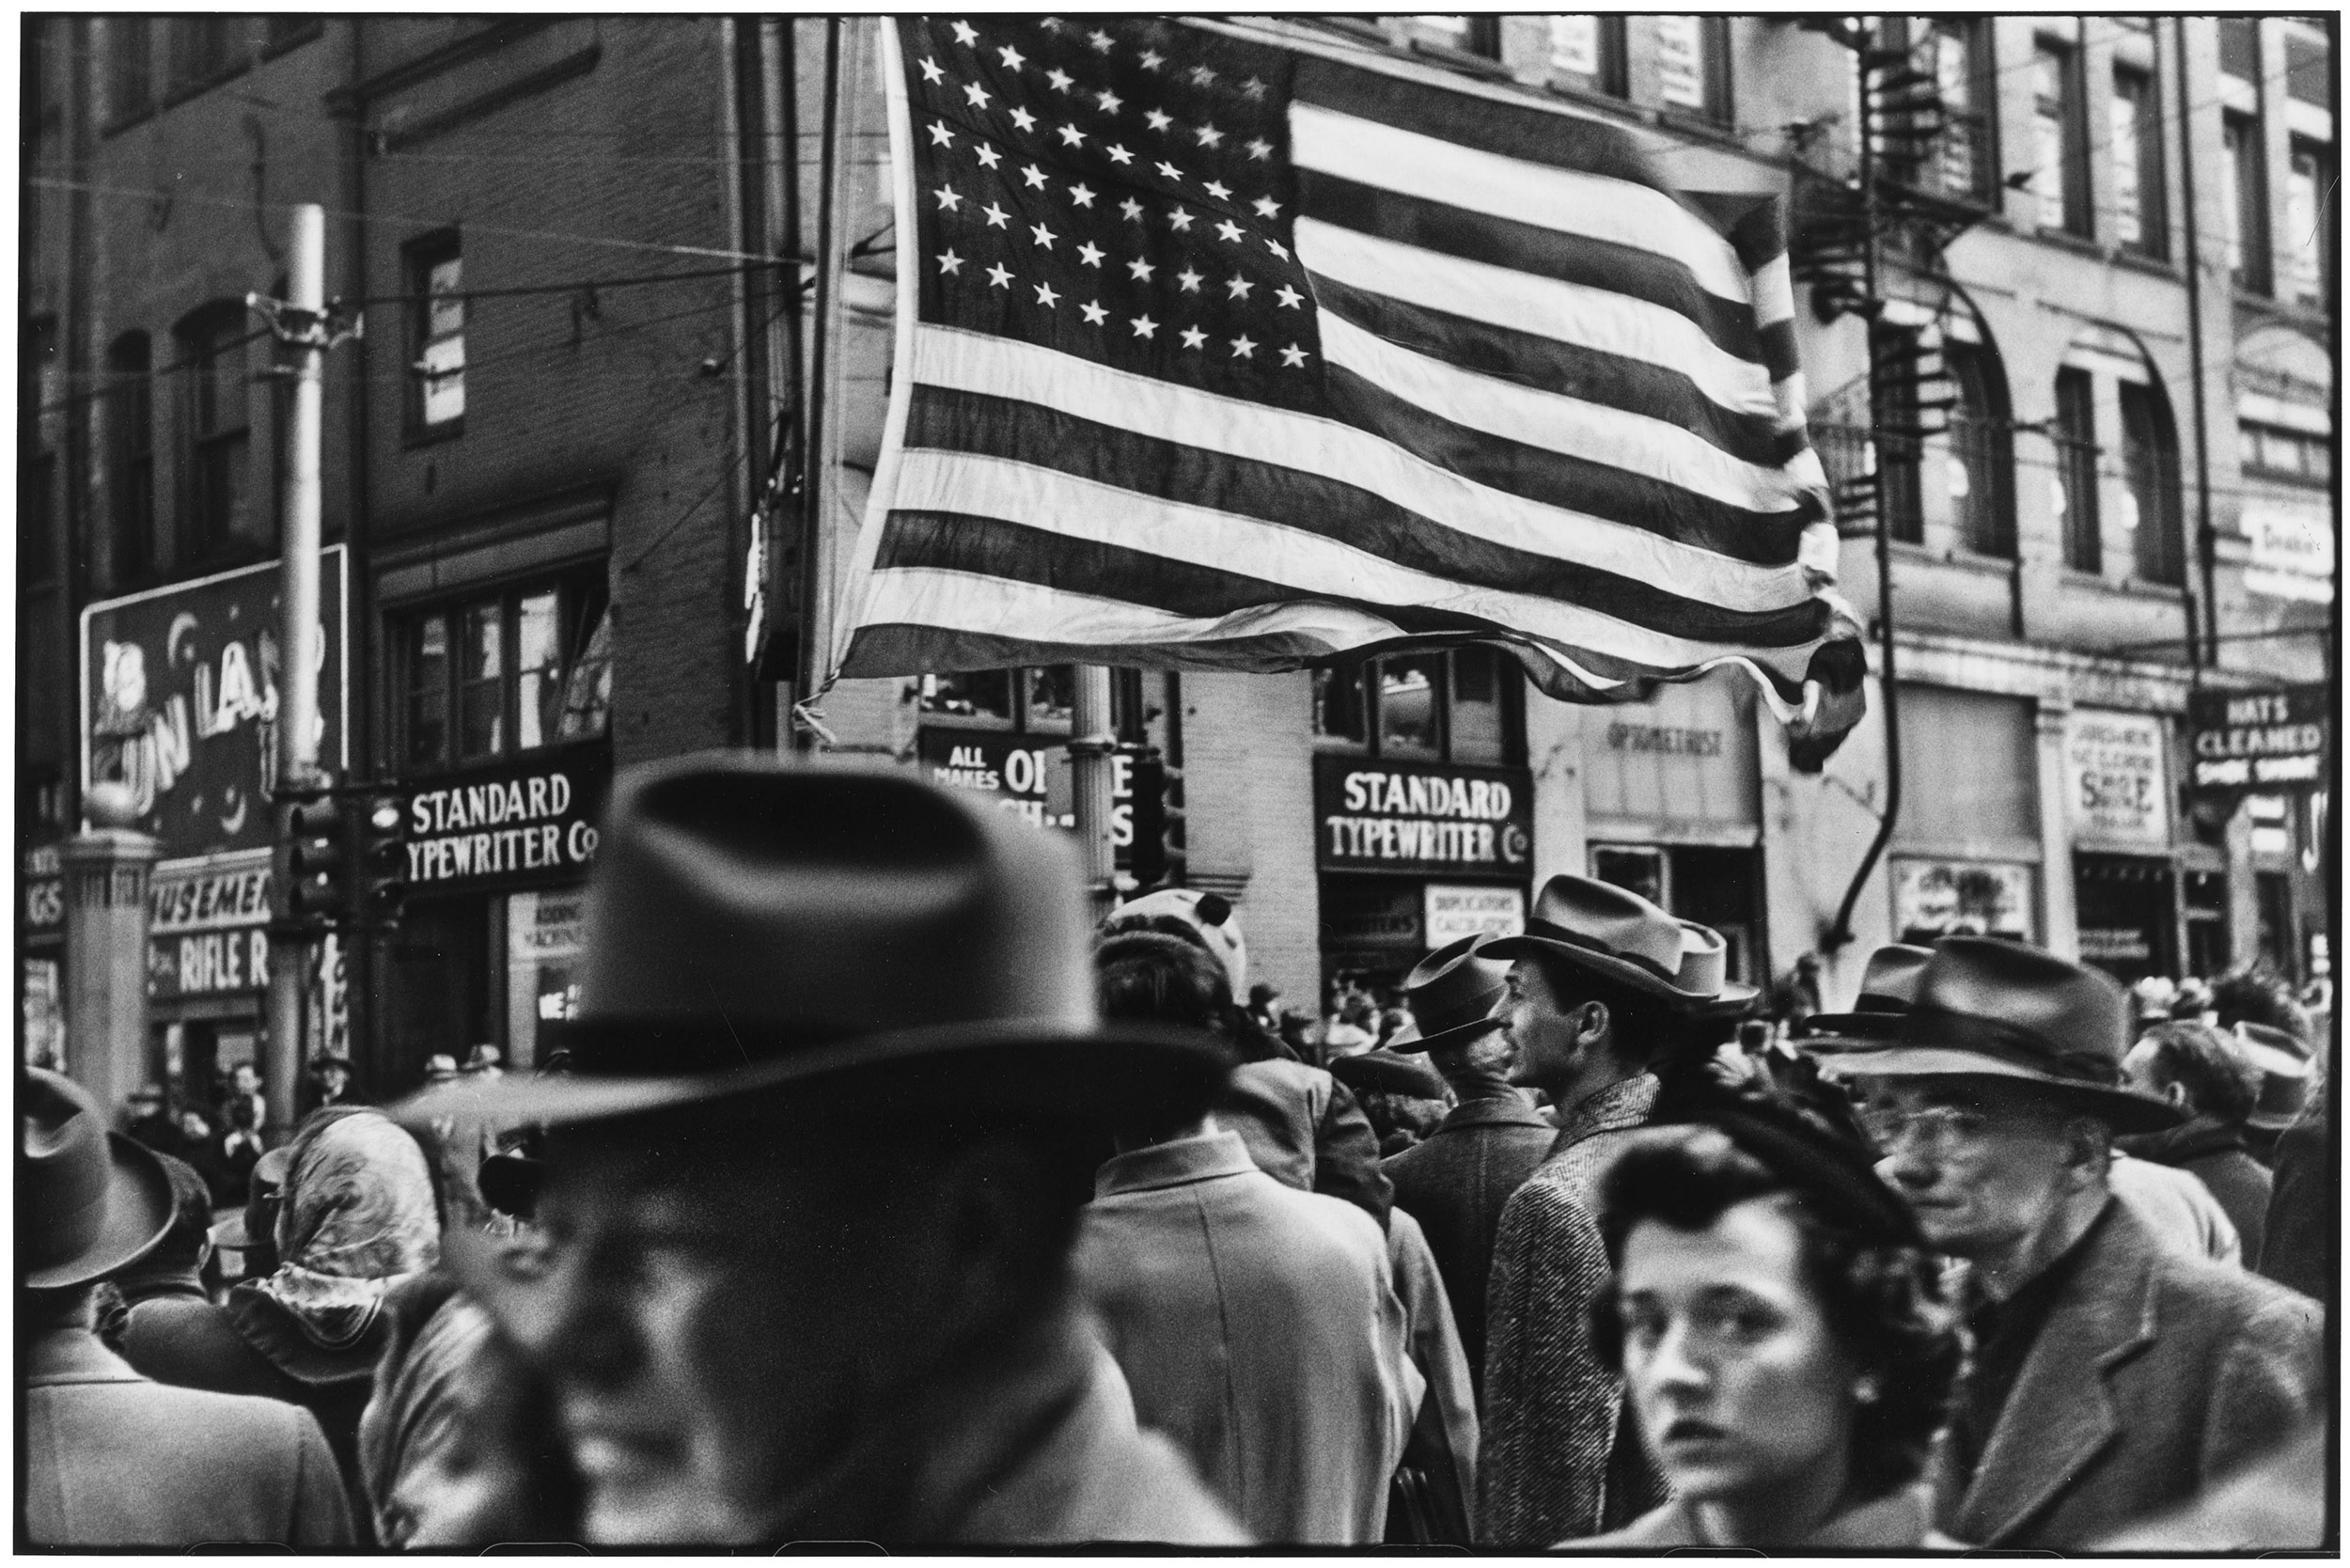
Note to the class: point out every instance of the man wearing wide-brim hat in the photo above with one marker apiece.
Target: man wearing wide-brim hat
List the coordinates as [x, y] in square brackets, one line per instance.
[2111, 1377]
[112, 1459]
[1602, 985]
[837, 1088]
[1456, 1180]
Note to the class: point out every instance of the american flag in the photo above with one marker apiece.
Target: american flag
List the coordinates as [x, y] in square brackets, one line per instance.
[1216, 351]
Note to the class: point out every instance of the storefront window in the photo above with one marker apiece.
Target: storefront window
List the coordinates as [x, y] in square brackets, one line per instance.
[973, 694]
[1460, 706]
[481, 691]
[1411, 702]
[542, 949]
[1051, 695]
[505, 674]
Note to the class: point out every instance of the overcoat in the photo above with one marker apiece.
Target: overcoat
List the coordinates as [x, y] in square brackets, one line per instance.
[114, 1460]
[2153, 1375]
[1259, 1329]
[1456, 1183]
[1561, 1457]
[2214, 1154]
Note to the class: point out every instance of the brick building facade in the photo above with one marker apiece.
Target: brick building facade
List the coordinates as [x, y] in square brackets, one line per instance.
[548, 492]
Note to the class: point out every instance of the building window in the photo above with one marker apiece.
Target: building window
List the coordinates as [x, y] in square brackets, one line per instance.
[1693, 65]
[1471, 35]
[2138, 220]
[2075, 434]
[130, 457]
[1948, 151]
[129, 67]
[282, 31]
[503, 673]
[1980, 442]
[1589, 52]
[1035, 699]
[1462, 706]
[204, 49]
[2150, 465]
[1899, 445]
[2244, 196]
[220, 500]
[2240, 47]
[2061, 141]
[2309, 228]
[37, 551]
[2308, 76]
[2287, 455]
[436, 277]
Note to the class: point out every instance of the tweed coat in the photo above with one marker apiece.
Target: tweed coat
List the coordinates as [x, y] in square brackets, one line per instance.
[1561, 1456]
[1259, 1329]
[112, 1459]
[2154, 1375]
[1456, 1183]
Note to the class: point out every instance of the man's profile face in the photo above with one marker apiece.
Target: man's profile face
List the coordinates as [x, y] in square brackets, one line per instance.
[1543, 1038]
[1982, 1161]
[711, 1321]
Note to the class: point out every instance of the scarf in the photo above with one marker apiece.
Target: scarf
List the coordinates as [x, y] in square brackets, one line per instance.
[357, 1217]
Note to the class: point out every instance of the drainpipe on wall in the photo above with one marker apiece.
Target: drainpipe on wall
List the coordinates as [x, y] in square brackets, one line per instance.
[2207, 543]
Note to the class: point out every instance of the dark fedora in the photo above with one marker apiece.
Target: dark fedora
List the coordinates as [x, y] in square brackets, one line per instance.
[1615, 934]
[754, 924]
[1389, 1071]
[2284, 1063]
[88, 1201]
[1988, 1008]
[1452, 994]
[1889, 988]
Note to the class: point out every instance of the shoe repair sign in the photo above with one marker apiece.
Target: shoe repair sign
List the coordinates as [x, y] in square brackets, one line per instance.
[180, 702]
[2271, 741]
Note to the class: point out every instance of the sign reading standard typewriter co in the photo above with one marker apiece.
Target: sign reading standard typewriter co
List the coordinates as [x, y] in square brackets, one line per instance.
[2265, 741]
[525, 823]
[1423, 819]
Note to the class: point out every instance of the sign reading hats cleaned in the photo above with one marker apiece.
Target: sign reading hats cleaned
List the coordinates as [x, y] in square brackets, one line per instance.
[1423, 818]
[2272, 740]
[526, 823]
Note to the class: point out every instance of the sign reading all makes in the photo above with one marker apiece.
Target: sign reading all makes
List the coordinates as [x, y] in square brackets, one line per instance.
[1422, 817]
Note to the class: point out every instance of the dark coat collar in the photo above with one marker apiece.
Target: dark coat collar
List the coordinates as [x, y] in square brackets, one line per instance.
[2059, 1414]
[1501, 1106]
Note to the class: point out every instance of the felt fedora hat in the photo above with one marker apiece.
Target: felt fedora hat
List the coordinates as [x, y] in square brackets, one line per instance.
[1705, 971]
[1889, 988]
[1389, 1070]
[1988, 1008]
[1608, 930]
[754, 924]
[1452, 994]
[88, 1201]
[2284, 1064]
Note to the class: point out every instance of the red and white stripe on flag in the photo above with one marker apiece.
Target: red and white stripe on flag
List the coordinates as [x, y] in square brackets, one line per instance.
[1215, 353]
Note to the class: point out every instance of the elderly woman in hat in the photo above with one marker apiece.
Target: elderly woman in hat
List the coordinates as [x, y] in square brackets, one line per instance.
[1778, 1322]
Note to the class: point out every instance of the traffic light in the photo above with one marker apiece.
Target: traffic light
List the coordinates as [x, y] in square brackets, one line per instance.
[314, 860]
[381, 881]
[1158, 818]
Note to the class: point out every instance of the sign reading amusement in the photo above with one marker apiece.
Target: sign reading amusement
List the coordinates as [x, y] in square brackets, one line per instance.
[179, 701]
[1445, 819]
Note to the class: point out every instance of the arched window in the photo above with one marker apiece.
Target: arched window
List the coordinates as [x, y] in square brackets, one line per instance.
[2149, 469]
[130, 457]
[1980, 449]
[2116, 482]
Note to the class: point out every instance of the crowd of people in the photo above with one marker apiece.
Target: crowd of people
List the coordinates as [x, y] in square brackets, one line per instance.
[871, 1197]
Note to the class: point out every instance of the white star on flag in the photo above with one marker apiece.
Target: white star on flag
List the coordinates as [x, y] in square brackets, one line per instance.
[1290, 298]
[1012, 58]
[1293, 356]
[947, 198]
[1089, 254]
[1045, 296]
[931, 71]
[988, 156]
[1145, 327]
[1141, 270]
[1000, 276]
[965, 35]
[1242, 347]
[1238, 288]
[1194, 337]
[1044, 236]
[1024, 119]
[1034, 176]
[1081, 194]
[1093, 313]
[949, 262]
[996, 216]
[1189, 280]
[977, 94]
[1159, 120]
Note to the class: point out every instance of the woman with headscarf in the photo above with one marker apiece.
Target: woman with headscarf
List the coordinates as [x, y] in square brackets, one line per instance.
[458, 1447]
[356, 1216]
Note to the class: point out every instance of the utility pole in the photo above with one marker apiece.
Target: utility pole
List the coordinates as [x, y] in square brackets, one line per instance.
[1092, 737]
[301, 327]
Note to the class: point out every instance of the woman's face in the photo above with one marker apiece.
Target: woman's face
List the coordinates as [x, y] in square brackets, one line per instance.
[464, 1485]
[1739, 1386]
